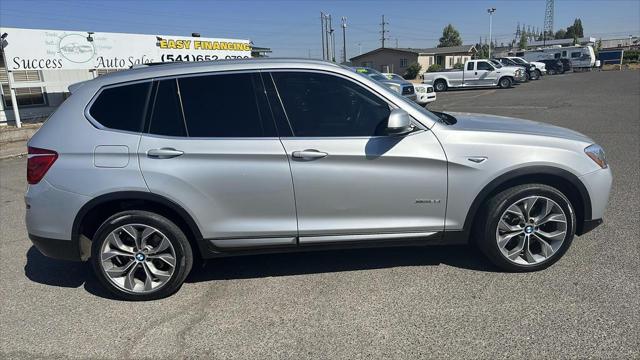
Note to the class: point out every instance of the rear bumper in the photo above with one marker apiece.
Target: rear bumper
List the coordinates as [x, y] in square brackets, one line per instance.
[588, 225]
[57, 249]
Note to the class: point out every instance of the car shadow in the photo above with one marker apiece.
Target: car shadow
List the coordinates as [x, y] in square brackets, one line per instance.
[68, 274]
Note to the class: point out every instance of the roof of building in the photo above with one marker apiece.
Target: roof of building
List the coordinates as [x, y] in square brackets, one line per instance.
[425, 51]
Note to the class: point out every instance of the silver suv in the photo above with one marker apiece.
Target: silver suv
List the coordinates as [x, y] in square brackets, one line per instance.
[143, 171]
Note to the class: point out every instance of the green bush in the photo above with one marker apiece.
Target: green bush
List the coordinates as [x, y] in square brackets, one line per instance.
[630, 55]
[458, 66]
[434, 68]
[412, 71]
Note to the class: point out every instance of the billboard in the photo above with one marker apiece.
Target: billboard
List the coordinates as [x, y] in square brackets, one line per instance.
[33, 49]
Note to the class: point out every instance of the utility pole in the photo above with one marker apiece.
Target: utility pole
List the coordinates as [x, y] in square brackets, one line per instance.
[384, 32]
[333, 41]
[490, 11]
[344, 39]
[548, 22]
[396, 43]
[322, 31]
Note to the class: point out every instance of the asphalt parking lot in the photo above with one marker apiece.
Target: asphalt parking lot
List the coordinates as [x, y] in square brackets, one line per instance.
[433, 302]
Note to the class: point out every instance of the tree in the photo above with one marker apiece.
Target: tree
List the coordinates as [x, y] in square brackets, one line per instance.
[523, 42]
[574, 31]
[412, 71]
[560, 34]
[450, 37]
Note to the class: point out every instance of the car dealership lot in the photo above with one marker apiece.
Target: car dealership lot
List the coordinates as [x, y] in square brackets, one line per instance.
[376, 303]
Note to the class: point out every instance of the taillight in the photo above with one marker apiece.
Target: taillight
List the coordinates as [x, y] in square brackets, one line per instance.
[38, 163]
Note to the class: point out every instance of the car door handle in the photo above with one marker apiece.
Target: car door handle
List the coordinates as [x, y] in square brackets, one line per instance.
[309, 154]
[164, 153]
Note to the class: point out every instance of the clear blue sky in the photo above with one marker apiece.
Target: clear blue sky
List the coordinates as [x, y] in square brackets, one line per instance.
[292, 28]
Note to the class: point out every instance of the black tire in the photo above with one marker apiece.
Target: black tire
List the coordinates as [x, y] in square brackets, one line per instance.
[177, 238]
[534, 75]
[505, 82]
[538, 73]
[527, 76]
[487, 225]
[440, 85]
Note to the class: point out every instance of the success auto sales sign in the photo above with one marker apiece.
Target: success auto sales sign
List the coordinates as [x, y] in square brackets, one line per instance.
[31, 49]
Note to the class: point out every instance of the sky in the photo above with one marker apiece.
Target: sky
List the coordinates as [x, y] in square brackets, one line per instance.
[292, 28]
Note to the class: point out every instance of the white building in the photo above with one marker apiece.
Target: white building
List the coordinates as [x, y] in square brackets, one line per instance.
[43, 63]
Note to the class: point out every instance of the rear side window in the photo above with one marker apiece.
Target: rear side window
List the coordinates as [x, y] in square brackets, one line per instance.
[166, 118]
[225, 106]
[121, 107]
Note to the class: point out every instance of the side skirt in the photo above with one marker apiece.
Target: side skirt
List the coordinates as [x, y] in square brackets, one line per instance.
[252, 246]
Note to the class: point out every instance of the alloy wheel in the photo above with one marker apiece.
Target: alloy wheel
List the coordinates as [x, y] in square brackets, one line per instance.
[138, 258]
[531, 230]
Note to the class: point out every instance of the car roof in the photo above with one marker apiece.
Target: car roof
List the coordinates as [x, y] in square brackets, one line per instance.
[140, 72]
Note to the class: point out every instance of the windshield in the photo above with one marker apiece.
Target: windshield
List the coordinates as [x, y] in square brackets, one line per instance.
[496, 63]
[377, 77]
[519, 61]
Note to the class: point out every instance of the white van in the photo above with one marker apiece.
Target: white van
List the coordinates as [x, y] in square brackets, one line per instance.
[580, 56]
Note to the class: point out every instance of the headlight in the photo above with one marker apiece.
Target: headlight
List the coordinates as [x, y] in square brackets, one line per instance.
[596, 153]
[421, 89]
[430, 89]
[395, 87]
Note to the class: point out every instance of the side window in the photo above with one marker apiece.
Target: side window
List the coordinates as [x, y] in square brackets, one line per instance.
[166, 118]
[556, 56]
[470, 66]
[564, 53]
[226, 105]
[483, 65]
[329, 106]
[575, 54]
[122, 107]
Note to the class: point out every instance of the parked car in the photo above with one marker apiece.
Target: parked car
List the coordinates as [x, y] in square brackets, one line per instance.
[553, 66]
[403, 87]
[566, 65]
[425, 94]
[522, 73]
[144, 170]
[540, 67]
[476, 73]
[528, 69]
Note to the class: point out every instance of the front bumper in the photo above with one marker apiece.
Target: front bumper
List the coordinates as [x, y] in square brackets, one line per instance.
[425, 98]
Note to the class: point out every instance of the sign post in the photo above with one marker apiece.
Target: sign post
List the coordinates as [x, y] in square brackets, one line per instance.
[12, 91]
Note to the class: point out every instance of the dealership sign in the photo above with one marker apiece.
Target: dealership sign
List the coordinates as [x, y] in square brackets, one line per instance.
[31, 49]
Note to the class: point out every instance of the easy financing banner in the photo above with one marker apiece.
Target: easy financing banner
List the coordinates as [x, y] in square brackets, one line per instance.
[31, 49]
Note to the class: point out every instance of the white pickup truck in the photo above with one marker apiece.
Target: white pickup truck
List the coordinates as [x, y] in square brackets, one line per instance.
[476, 73]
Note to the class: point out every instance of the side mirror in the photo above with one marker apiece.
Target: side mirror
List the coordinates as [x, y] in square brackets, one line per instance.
[399, 122]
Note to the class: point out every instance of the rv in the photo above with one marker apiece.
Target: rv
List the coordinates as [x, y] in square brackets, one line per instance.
[580, 56]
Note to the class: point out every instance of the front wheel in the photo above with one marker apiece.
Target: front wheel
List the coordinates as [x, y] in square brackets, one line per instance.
[526, 228]
[538, 73]
[505, 82]
[140, 255]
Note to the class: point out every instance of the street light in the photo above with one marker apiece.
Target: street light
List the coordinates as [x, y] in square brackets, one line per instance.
[490, 11]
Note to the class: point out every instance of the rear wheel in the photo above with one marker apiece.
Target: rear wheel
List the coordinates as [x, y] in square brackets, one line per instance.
[505, 82]
[534, 75]
[526, 228]
[440, 85]
[140, 255]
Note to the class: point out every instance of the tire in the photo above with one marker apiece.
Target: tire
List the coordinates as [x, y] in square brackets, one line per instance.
[538, 73]
[527, 76]
[505, 83]
[506, 247]
[141, 269]
[534, 75]
[440, 85]
[551, 72]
